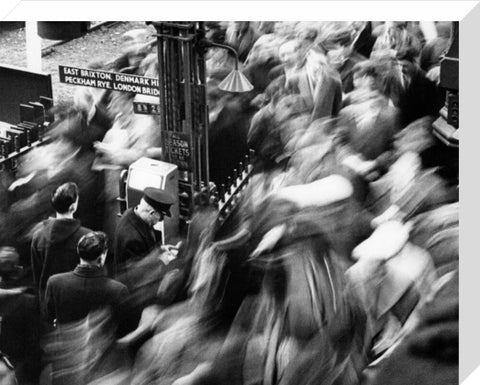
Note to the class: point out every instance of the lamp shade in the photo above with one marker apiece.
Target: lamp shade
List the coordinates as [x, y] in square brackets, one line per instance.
[235, 82]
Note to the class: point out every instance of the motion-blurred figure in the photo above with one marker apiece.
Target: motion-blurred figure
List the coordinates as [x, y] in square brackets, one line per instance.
[338, 42]
[241, 36]
[308, 74]
[20, 323]
[368, 124]
[430, 350]
[85, 352]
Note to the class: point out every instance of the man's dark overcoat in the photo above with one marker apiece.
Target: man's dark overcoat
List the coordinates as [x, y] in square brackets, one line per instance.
[72, 296]
[134, 239]
[54, 249]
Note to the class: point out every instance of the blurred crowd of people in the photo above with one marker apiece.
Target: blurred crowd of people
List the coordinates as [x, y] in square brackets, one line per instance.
[338, 264]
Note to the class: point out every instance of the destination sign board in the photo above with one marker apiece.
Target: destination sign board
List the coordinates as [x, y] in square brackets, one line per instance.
[114, 81]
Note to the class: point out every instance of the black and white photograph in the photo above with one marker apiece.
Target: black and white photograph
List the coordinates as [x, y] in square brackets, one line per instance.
[229, 202]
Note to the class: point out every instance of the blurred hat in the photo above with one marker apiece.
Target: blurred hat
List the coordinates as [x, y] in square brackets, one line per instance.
[159, 199]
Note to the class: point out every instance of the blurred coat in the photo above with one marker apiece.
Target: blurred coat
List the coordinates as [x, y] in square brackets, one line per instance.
[54, 249]
[430, 350]
[432, 52]
[228, 137]
[19, 335]
[325, 99]
[261, 72]
[365, 41]
[438, 232]
[421, 97]
[346, 73]
[368, 128]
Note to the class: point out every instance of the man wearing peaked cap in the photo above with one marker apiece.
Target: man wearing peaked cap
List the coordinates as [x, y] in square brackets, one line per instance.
[134, 235]
[160, 200]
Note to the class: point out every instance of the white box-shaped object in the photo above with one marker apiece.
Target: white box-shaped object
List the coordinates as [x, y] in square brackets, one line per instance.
[146, 172]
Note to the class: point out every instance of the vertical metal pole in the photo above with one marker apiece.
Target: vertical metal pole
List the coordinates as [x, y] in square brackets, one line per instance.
[188, 111]
[204, 107]
[161, 82]
[168, 80]
[34, 46]
[187, 88]
[174, 81]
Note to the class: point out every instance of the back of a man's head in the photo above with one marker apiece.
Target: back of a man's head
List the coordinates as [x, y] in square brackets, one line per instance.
[92, 245]
[64, 196]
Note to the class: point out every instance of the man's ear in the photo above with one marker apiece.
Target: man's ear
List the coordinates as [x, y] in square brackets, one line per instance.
[73, 207]
[101, 259]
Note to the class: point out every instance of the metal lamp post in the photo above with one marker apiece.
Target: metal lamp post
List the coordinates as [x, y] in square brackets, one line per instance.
[181, 48]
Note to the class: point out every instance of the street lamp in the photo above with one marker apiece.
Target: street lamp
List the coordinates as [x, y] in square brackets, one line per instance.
[235, 81]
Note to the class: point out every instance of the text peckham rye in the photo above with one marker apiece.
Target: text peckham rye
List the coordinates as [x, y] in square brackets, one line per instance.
[109, 80]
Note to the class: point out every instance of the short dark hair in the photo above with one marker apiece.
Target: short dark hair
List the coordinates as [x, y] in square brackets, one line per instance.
[92, 245]
[64, 196]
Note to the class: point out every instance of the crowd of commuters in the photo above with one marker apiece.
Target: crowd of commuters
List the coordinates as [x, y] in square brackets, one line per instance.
[338, 264]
